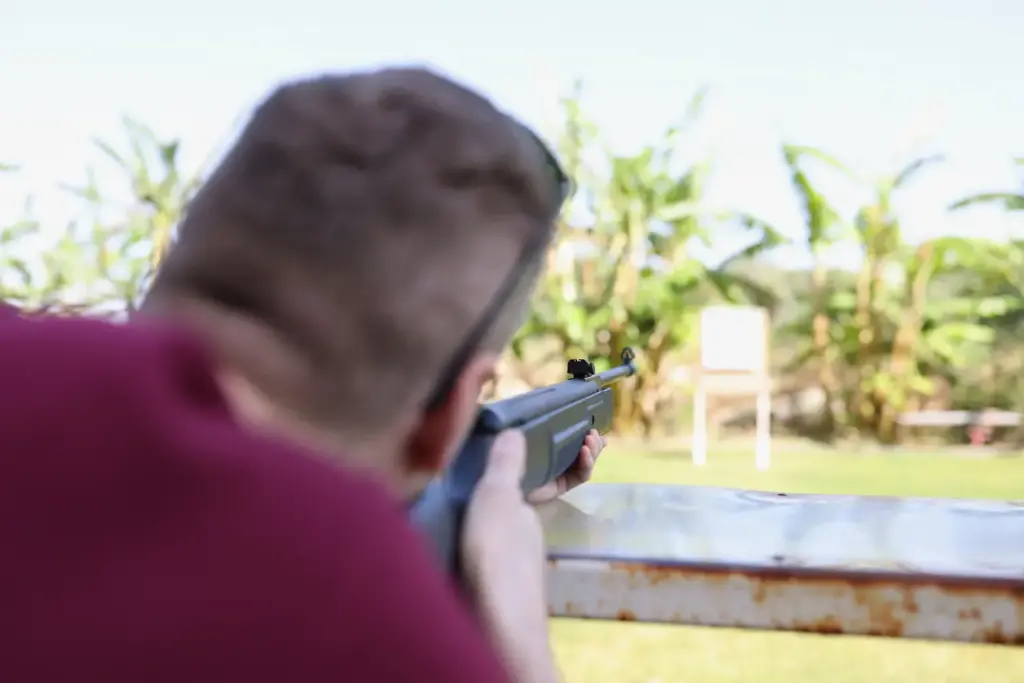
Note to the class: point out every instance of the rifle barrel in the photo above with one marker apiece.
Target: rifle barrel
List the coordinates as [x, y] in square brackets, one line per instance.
[619, 371]
[609, 376]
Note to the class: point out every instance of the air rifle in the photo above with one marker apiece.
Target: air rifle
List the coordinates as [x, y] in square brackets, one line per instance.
[554, 421]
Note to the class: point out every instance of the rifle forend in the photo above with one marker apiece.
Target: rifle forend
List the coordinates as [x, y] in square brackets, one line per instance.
[554, 421]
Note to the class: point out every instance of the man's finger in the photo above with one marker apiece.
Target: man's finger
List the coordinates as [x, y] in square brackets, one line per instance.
[506, 463]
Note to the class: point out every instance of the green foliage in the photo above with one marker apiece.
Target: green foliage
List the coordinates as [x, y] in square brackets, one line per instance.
[624, 276]
[102, 262]
[621, 272]
[1009, 201]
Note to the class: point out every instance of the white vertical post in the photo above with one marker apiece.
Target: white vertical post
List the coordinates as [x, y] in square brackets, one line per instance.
[699, 443]
[763, 443]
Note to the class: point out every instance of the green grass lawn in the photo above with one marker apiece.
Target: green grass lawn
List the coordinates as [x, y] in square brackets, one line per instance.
[606, 652]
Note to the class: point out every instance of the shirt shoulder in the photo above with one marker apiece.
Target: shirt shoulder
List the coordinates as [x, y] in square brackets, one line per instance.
[143, 519]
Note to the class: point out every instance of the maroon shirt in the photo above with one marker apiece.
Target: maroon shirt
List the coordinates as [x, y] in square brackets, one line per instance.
[144, 537]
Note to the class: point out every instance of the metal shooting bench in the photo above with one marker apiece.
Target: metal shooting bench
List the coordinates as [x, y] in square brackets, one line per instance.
[960, 418]
[983, 420]
[896, 567]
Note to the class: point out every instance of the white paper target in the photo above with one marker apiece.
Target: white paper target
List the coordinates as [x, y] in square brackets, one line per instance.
[732, 339]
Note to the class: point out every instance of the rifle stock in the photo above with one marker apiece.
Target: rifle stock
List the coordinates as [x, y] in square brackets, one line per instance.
[554, 421]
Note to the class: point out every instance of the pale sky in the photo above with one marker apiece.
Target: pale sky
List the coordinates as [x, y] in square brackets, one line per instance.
[866, 80]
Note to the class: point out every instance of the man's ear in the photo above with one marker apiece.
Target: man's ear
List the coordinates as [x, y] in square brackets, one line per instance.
[435, 441]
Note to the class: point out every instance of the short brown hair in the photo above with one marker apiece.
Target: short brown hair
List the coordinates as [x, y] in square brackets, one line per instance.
[366, 219]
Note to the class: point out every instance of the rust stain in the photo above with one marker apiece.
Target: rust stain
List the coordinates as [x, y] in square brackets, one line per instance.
[881, 615]
[760, 593]
[829, 626]
[654, 574]
[996, 636]
[885, 604]
[888, 629]
[651, 574]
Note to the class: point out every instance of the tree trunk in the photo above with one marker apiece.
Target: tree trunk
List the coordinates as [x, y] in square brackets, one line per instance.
[905, 343]
[861, 408]
[826, 373]
[624, 392]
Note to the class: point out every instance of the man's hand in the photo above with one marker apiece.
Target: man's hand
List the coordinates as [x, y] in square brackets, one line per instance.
[579, 473]
[503, 560]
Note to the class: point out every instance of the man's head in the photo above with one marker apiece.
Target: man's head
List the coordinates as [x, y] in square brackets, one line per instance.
[345, 248]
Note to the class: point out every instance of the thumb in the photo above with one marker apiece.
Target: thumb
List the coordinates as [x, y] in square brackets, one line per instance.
[506, 463]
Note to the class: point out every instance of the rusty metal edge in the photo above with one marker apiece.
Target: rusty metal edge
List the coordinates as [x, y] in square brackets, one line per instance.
[783, 570]
[869, 603]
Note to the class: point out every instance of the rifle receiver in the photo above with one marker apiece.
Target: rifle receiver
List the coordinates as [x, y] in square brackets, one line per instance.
[554, 420]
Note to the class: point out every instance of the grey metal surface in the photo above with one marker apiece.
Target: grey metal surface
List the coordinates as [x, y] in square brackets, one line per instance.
[956, 418]
[951, 569]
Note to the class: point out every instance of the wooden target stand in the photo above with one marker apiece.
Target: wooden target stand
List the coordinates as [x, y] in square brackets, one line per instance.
[734, 343]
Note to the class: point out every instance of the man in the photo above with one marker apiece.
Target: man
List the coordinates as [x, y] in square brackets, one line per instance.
[215, 492]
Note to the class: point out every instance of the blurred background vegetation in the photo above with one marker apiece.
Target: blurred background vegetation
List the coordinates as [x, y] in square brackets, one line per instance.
[926, 325]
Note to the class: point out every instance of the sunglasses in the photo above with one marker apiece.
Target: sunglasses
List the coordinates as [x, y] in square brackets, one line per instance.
[535, 245]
